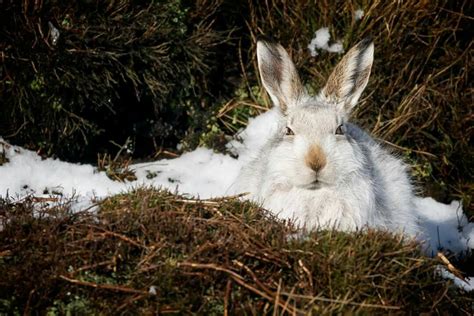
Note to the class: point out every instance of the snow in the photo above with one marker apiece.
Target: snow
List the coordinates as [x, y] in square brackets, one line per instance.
[27, 173]
[358, 14]
[445, 225]
[200, 173]
[321, 41]
[152, 290]
[252, 139]
[467, 284]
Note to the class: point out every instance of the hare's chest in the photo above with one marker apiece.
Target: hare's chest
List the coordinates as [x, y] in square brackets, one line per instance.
[310, 208]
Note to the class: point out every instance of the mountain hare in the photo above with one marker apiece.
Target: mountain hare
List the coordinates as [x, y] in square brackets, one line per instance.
[318, 169]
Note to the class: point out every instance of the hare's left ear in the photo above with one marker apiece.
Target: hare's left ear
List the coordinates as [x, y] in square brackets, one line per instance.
[349, 78]
[279, 75]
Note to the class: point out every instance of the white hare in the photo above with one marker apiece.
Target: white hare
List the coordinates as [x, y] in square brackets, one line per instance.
[318, 169]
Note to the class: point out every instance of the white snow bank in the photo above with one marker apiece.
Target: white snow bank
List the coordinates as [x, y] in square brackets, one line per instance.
[201, 173]
[27, 173]
[445, 225]
[321, 41]
[254, 137]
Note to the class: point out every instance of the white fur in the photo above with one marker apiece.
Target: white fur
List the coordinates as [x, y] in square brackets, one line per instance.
[361, 183]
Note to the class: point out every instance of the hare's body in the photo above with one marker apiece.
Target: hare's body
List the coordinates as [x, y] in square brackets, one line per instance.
[377, 193]
[318, 169]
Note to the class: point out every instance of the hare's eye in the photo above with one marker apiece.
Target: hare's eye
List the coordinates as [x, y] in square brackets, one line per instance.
[339, 130]
[289, 132]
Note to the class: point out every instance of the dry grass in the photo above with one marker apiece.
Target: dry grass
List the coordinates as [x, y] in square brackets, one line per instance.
[205, 257]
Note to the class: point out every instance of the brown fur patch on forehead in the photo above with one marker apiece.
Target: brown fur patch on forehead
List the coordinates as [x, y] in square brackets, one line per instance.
[315, 158]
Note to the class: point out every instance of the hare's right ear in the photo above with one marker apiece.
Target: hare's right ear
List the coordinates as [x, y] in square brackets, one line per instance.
[349, 78]
[279, 75]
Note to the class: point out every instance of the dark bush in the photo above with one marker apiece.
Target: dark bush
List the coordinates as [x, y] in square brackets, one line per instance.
[118, 69]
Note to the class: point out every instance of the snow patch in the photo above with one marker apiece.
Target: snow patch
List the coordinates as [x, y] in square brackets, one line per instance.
[321, 41]
[467, 284]
[251, 140]
[358, 14]
[445, 225]
[200, 173]
[27, 173]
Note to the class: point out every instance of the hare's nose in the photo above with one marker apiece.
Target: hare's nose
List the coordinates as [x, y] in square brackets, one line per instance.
[315, 158]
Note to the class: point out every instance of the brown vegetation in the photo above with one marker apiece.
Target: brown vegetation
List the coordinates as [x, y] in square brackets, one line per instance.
[154, 252]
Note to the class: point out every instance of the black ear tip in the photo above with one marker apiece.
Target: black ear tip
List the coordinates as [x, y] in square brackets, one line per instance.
[264, 39]
[366, 42]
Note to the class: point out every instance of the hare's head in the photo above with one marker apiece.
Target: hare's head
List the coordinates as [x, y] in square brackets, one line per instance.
[314, 149]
